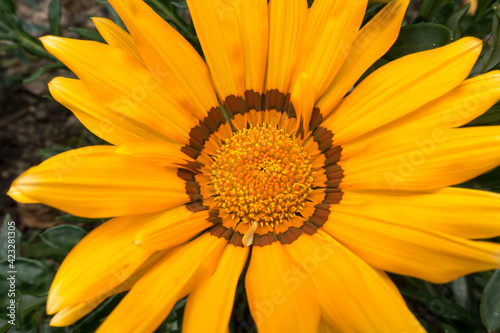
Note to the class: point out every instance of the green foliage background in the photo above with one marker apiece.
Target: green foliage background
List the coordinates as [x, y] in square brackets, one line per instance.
[469, 304]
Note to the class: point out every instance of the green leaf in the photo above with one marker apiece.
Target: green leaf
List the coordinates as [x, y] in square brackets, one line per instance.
[490, 303]
[455, 20]
[29, 303]
[7, 6]
[428, 8]
[55, 17]
[52, 151]
[35, 75]
[77, 219]
[448, 310]
[32, 277]
[87, 33]
[9, 235]
[448, 328]
[63, 237]
[443, 13]
[419, 37]
[41, 249]
[491, 58]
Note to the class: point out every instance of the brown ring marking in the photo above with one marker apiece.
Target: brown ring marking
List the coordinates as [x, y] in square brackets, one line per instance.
[233, 237]
[271, 100]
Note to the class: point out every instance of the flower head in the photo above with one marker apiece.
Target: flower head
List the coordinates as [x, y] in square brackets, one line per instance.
[328, 188]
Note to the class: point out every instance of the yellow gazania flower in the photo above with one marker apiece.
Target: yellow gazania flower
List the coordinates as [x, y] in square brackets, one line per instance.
[328, 191]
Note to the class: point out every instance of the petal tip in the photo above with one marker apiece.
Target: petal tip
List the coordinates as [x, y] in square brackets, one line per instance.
[17, 195]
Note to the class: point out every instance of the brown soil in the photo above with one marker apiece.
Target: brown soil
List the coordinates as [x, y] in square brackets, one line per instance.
[29, 120]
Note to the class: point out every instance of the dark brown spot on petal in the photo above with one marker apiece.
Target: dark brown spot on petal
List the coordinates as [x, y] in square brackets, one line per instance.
[199, 135]
[289, 236]
[235, 105]
[316, 119]
[254, 100]
[263, 240]
[233, 237]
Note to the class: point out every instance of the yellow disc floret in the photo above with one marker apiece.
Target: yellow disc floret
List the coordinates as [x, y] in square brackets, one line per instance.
[261, 175]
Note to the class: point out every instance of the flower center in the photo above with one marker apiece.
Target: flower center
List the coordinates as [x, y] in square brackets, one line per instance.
[260, 175]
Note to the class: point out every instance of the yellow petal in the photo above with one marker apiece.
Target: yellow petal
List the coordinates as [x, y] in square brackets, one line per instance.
[253, 25]
[160, 153]
[450, 210]
[209, 306]
[428, 161]
[217, 28]
[279, 301]
[395, 246]
[114, 257]
[111, 126]
[116, 36]
[330, 29]
[174, 227]
[71, 314]
[94, 182]
[371, 43]
[401, 87]
[303, 98]
[354, 297]
[286, 22]
[15, 194]
[165, 51]
[466, 102]
[117, 80]
[178, 273]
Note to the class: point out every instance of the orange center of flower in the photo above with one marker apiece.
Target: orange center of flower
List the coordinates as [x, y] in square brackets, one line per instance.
[260, 175]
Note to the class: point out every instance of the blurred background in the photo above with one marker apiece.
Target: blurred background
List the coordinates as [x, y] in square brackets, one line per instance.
[33, 127]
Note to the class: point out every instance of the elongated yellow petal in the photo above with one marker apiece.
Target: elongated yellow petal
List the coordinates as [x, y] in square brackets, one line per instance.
[114, 259]
[71, 314]
[111, 126]
[17, 195]
[184, 74]
[161, 153]
[174, 227]
[451, 210]
[209, 306]
[330, 29]
[458, 107]
[116, 36]
[396, 246]
[371, 43]
[253, 23]
[217, 28]
[286, 22]
[303, 98]
[401, 87]
[427, 161]
[117, 80]
[94, 182]
[279, 300]
[354, 296]
[172, 278]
